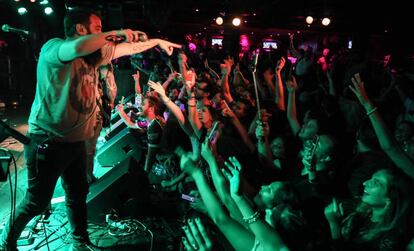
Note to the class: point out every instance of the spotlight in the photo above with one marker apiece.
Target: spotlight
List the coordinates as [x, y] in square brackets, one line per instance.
[43, 2]
[219, 20]
[236, 21]
[309, 19]
[326, 21]
[32, 1]
[22, 10]
[48, 10]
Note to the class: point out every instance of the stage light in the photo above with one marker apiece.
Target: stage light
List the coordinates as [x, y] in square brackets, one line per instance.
[32, 1]
[43, 2]
[219, 20]
[22, 10]
[236, 21]
[309, 19]
[326, 21]
[48, 10]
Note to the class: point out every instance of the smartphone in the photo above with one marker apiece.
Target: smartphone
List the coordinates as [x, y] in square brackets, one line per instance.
[213, 131]
[188, 198]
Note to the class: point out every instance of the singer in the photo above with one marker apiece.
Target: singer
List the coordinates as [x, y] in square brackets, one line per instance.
[63, 117]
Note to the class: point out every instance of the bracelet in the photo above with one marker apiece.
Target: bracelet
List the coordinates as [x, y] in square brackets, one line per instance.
[372, 111]
[191, 105]
[252, 218]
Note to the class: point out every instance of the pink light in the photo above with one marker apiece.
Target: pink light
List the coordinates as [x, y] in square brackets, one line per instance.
[244, 42]
[292, 59]
[192, 47]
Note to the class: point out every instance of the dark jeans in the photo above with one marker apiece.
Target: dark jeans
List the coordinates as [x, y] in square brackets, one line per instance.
[47, 161]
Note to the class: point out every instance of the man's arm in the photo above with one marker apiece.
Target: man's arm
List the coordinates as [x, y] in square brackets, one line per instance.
[83, 45]
[125, 49]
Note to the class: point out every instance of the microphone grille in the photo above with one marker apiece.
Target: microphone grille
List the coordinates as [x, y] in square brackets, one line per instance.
[5, 27]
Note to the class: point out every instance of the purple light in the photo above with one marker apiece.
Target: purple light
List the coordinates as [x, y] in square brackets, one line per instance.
[192, 47]
[244, 42]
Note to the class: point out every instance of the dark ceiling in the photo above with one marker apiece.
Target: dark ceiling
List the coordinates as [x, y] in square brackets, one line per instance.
[175, 18]
[347, 15]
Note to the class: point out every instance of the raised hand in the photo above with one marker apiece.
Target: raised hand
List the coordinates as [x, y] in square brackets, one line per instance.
[136, 76]
[206, 151]
[291, 84]
[333, 211]
[262, 130]
[190, 80]
[157, 87]
[188, 164]
[280, 64]
[196, 236]
[233, 175]
[358, 89]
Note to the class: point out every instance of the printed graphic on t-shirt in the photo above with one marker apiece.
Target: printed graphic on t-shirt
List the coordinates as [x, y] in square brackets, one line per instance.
[82, 89]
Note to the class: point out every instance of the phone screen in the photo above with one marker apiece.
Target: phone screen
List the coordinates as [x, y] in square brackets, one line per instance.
[188, 198]
[213, 131]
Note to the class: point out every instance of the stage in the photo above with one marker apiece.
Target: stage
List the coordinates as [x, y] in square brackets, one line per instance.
[138, 220]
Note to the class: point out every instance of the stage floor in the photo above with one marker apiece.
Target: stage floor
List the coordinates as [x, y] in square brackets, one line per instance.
[160, 223]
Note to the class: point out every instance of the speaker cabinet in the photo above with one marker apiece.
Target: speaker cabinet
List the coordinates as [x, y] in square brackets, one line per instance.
[126, 143]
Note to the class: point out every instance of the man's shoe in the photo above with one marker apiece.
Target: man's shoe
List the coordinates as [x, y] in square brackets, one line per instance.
[82, 246]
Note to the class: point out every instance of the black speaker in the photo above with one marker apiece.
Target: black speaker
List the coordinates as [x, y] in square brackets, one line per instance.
[116, 190]
[125, 144]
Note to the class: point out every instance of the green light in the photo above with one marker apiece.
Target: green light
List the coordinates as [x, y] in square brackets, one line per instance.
[22, 10]
[48, 10]
[44, 2]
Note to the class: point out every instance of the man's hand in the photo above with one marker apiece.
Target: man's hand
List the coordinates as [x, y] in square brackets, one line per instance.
[168, 47]
[130, 35]
[157, 87]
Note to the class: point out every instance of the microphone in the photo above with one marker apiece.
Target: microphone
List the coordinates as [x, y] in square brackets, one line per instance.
[8, 28]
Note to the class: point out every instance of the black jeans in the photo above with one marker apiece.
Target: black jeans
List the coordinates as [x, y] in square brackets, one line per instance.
[47, 161]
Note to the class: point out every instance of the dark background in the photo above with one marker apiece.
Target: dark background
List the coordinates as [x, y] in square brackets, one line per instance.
[375, 27]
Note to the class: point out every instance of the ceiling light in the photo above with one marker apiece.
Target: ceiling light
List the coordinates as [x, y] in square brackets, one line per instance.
[236, 21]
[219, 20]
[326, 21]
[309, 19]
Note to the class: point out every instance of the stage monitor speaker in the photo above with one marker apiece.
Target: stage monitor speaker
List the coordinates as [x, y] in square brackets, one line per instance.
[115, 190]
[123, 145]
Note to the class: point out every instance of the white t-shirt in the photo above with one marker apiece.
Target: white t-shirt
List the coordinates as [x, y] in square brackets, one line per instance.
[65, 101]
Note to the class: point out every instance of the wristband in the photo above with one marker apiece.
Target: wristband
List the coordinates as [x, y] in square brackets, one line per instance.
[252, 218]
[372, 111]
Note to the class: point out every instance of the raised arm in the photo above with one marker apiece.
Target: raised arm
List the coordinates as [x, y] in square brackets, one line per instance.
[239, 237]
[125, 49]
[225, 87]
[175, 109]
[125, 118]
[386, 140]
[88, 44]
[280, 91]
[263, 147]
[267, 236]
[291, 109]
[220, 182]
